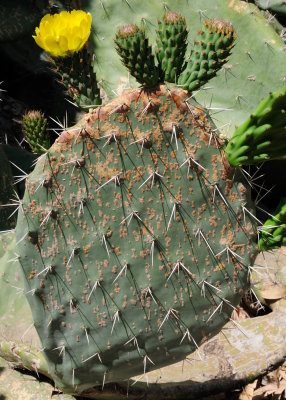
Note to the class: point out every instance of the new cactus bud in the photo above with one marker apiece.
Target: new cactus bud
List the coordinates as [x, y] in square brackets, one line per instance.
[262, 136]
[136, 54]
[210, 52]
[171, 45]
[34, 127]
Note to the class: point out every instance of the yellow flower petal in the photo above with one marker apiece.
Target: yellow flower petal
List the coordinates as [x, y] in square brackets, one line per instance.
[52, 45]
[74, 41]
[39, 42]
[65, 33]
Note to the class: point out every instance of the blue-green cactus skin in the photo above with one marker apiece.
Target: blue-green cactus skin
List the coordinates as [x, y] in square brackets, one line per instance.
[135, 239]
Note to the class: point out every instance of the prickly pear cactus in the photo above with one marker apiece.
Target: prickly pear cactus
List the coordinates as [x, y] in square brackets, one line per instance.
[135, 238]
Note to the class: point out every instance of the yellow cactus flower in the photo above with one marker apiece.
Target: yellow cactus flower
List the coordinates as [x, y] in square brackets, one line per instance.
[63, 34]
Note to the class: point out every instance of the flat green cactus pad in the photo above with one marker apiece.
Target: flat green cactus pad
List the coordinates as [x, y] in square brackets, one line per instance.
[135, 238]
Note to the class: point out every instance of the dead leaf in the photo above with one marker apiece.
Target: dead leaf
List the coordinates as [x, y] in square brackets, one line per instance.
[248, 391]
[274, 292]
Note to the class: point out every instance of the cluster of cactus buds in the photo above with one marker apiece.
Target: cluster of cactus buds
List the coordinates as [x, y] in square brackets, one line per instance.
[210, 52]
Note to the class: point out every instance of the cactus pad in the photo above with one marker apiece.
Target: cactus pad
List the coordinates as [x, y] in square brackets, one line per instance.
[135, 238]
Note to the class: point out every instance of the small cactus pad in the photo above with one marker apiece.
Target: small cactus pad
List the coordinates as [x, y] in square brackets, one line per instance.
[136, 54]
[171, 45]
[79, 78]
[135, 237]
[262, 136]
[210, 52]
[273, 232]
[34, 126]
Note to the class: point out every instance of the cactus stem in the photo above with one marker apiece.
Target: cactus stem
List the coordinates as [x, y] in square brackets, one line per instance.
[228, 303]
